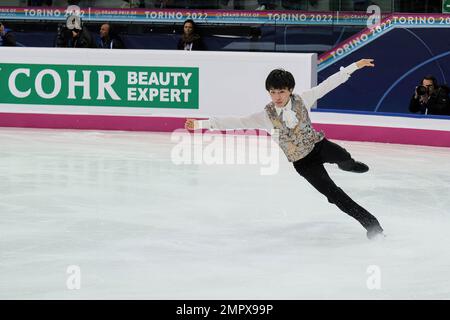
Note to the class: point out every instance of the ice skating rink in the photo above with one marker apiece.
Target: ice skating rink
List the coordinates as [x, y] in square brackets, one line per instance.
[138, 226]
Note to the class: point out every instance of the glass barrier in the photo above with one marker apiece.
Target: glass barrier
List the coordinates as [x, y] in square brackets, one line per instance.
[425, 6]
[407, 45]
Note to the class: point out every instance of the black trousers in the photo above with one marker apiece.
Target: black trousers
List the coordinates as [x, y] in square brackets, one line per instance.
[312, 169]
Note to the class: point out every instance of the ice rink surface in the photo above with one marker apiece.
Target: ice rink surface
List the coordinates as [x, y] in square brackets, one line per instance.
[139, 226]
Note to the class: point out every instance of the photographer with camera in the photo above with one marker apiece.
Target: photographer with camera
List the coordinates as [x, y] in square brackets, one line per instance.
[74, 35]
[430, 98]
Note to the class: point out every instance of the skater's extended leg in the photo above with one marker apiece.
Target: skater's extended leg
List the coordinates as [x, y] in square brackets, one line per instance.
[334, 153]
[318, 177]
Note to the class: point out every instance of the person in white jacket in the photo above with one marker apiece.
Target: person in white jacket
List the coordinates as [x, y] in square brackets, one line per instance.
[306, 148]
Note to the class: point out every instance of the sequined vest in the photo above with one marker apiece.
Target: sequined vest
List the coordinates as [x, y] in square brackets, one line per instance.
[297, 142]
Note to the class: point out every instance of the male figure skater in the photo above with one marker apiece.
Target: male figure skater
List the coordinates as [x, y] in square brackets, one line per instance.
[306, 148]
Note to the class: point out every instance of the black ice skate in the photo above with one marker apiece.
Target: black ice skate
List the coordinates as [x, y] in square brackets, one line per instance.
[353, 166]
[375, 232]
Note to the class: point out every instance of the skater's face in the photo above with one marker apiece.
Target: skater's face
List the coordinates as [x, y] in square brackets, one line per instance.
[280, 97]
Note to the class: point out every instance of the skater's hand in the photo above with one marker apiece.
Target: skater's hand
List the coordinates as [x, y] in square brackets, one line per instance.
[191, 124]
[365, 63]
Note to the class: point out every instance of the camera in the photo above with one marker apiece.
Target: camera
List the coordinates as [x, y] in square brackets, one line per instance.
[422, 90]
[65, 30]
[63, 36]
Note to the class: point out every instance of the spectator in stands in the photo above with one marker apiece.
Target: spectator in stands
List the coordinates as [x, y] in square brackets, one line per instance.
[190, 40]
[74, 34]
[169, 4]
[39, 3]
[133, 4]
[237, 4]
[294, 5]
[267, 4]
[108, 38]
[7, 38]
[430, 98]
[362, 5]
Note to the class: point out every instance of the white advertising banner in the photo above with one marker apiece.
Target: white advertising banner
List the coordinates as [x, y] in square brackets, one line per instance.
[143, 82]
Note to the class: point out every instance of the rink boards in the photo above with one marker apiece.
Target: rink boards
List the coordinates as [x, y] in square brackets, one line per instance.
[415, 130]
[156, 90]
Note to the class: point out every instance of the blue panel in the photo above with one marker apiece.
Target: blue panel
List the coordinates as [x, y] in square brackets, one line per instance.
[396, 53]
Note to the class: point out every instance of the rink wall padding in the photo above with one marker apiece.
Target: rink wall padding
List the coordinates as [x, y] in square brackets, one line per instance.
[436, 138]
[411, 131]
[91, 122]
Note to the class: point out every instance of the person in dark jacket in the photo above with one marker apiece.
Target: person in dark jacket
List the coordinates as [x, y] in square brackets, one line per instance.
[82, 39]
[108, 38]
[430, 98]
[190, 40]
[74, 34]
[7, 38]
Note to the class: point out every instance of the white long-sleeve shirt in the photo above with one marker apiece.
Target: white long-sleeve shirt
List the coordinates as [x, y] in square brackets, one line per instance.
[260, 120]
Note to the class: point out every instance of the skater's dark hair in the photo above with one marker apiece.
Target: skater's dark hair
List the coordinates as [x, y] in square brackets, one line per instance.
[280, 79]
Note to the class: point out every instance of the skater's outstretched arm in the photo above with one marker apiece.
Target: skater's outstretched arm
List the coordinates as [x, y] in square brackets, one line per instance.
[254, 121]
[312, 95]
